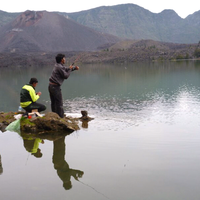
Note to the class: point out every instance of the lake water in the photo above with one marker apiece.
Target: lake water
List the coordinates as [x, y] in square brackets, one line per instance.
[144, 143]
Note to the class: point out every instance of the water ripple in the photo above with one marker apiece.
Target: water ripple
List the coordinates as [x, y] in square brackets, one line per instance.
[156, 107]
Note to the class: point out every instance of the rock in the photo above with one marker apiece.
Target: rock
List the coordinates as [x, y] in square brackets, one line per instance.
[2, 127]
[85, 116]
[51, 122]
[7, 118]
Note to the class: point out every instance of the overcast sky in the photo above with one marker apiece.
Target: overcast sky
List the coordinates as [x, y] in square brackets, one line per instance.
[182, 8]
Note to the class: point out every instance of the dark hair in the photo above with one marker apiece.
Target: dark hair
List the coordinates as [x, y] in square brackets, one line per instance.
[67, 185]
[59, 57]
[33, 80]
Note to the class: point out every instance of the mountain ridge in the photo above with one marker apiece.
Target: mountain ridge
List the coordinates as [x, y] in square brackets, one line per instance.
[130, 21]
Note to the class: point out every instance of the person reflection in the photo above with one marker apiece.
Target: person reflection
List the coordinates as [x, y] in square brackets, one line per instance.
[32, 146]
[1, 167]
[63, 170]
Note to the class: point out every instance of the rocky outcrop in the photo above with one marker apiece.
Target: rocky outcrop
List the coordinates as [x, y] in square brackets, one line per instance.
[50, 123]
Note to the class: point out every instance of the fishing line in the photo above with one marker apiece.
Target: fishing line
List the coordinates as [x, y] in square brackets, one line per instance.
[27, 159]
[93, 189]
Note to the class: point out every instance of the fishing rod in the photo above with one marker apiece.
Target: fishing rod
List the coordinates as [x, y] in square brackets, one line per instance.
[76, 60]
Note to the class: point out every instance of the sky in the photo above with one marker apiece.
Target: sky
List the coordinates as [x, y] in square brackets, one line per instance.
[182, 8]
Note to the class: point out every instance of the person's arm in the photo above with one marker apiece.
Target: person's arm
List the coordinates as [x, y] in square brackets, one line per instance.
[34, 96]
[67, 70]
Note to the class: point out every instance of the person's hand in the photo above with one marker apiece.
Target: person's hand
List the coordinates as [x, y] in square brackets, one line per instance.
[77, 68]
[78, 174]
[39, 93]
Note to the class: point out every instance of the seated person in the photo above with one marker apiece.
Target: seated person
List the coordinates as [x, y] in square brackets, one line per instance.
[28, 97]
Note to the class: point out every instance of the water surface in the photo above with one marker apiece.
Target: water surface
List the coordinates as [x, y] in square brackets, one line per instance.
[143, 143]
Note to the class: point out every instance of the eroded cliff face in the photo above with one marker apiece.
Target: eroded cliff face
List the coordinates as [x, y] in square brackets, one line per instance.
[28, 18]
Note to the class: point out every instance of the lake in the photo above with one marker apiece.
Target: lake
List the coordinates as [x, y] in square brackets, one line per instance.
[144, 143]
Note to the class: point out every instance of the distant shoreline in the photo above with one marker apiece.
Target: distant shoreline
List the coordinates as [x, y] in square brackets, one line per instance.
[143, 50]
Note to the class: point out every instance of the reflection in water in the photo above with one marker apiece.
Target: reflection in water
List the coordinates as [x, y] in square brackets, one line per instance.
[84, 124]
[63, 170]
[1, 167]
[32, 145]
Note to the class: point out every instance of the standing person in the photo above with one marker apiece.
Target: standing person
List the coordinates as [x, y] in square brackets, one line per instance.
[28, 97]
[59, 74]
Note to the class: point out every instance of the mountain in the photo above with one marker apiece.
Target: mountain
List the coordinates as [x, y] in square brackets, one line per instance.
[44, 31]
[6, 17]
[134, 22]
[126, 21]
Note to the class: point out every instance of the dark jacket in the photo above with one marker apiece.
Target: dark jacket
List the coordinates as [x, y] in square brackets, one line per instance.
[60, 73]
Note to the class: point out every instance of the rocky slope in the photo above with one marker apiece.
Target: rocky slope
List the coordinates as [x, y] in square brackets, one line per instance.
[44, 31]
[141, 50]
[133, 22]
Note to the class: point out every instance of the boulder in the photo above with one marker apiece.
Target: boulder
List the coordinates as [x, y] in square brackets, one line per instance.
[7, 118]
[51, 122]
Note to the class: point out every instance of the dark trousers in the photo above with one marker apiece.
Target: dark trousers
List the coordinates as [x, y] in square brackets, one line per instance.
[34, 106]
[56, 99]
